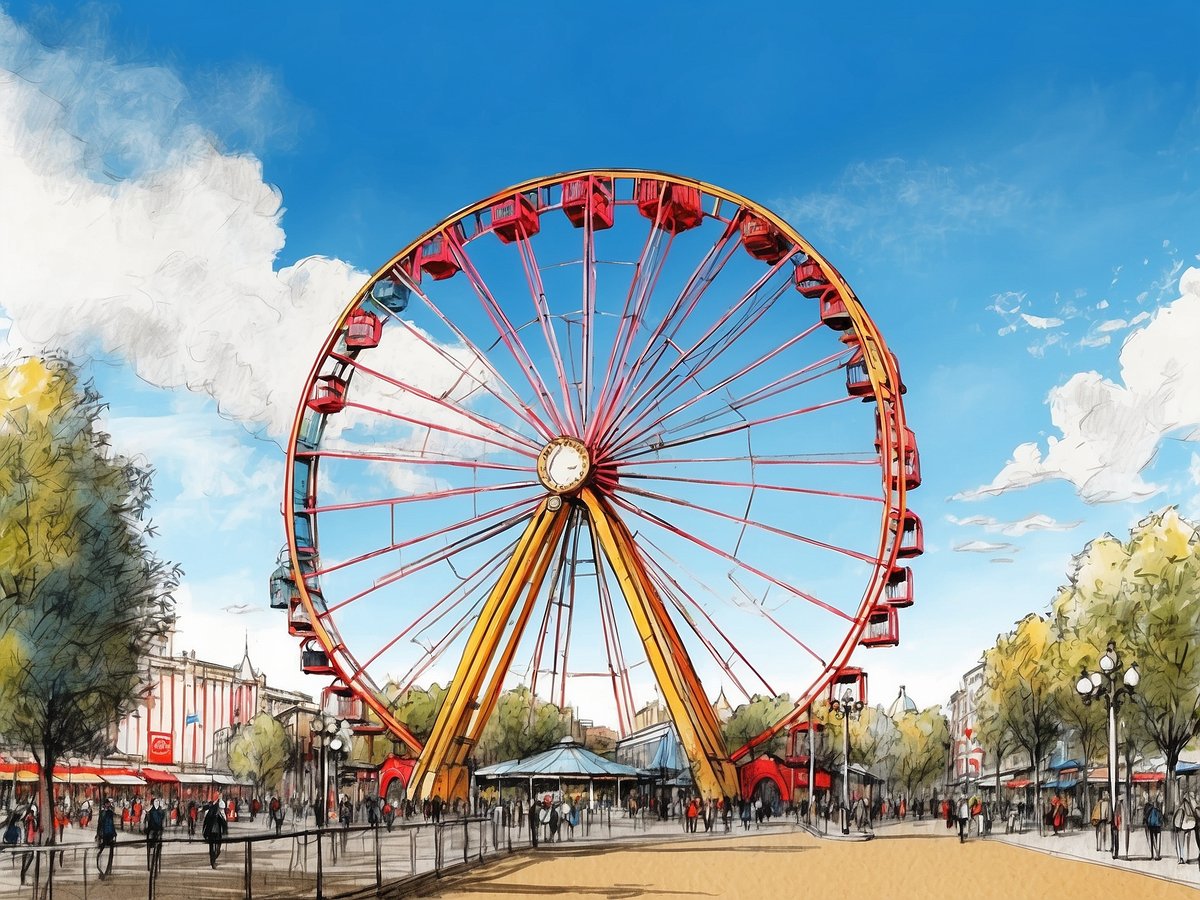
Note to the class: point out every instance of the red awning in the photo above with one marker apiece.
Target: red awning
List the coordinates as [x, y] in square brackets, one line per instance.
[1018, 783]
[160, 777]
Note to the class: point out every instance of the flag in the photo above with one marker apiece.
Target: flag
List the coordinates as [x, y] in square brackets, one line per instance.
[192, 719]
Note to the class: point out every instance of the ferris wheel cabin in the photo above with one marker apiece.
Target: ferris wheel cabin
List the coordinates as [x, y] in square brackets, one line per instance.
[391, 295]
[912, 534]
[363, 330]
[763, 240]
[883, 628]
[314, 660]
[673, 207]
[852, 677]
[515, 217]
[328, 395]
[899, 588]
[576, 195]
[436, 259]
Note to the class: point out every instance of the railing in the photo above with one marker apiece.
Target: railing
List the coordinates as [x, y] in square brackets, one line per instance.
[326, 863]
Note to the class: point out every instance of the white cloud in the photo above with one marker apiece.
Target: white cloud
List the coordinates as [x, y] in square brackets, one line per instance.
[1110, 432]
[985, 547]
[1040, 321]
[1035, 522]
[171, 264]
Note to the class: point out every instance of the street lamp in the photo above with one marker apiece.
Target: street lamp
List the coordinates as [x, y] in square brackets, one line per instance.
[846, 708]
[1113, 686]
[327, 735]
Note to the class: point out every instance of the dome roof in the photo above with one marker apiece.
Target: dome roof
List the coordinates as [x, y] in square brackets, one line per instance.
[901, 705]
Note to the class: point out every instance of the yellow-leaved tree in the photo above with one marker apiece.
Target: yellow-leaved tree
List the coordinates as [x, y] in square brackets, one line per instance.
[1021, 684]
[1143, 595]
[84, 598]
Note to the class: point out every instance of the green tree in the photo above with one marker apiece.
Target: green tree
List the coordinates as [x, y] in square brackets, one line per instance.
[84, 597]
[992, 731]
[1022, 683]
[261, 752]
[416, 707]
[520, 726]
[751, 719]
[921, 749]
[1087, 723]
[1144, 595]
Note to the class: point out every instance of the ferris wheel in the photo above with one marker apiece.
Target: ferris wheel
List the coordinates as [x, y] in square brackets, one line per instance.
[603, 434]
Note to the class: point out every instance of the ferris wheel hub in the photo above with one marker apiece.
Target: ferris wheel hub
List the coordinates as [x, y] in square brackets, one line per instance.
[564, 465]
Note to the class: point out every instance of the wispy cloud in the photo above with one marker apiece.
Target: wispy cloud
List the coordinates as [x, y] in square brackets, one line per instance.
[893, 201]
[1110, 431]
[1035, 522]
[985, 547]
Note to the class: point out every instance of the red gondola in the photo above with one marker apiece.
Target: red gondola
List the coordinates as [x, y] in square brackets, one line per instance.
[858, 383]
[575, 201]
[833, 311]
[763, 240]
[314, 660]
[810, 280]
[391, 294]
[912, 535]
[911, 469]
[675, 207]
[899, 589]
[436, 258]
[299, 624]
[883, 628]
[328, 395]
[514, 217]
[849, 676]
[363, 330]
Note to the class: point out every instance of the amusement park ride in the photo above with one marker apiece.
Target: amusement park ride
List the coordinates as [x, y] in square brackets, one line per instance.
[601, 384]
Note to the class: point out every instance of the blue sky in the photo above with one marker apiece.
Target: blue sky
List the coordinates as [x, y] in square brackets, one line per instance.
[1011, 191]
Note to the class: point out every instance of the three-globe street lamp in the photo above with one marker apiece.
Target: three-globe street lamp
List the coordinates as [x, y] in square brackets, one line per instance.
[328, 736]
[1113, 686]
[846, 708]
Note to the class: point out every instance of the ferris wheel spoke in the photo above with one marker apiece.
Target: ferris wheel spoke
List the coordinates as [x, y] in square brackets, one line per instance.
[658, 446]
[751, 523]
[558, 586]
[705, 273]
[419, 498]
[699, 607]
[442, 428]
[471, 582]
[645, 276]
[513, 403]
[587, 336]
[537, 291]
[800, 377]
[454, 462]
[752, 486]
[762, 460]
[525, 505]
[529, 415]
[729, 557]
[441, 403]
[509, 336]
[735, 406]
[671, 589]
[466, 542]
[614, 652]
[672, 378]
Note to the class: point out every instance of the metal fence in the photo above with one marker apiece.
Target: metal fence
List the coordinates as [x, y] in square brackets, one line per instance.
[322, 863]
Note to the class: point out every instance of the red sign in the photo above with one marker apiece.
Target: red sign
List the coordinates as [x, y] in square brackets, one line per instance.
[161, 749]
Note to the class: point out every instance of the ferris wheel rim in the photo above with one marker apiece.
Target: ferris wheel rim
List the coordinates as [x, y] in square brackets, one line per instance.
[880, 368]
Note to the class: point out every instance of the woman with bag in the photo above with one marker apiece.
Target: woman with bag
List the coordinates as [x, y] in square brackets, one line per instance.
[1101, 813]
[1184, 823]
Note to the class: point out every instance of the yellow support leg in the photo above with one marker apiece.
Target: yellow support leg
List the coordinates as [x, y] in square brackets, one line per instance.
[699, 730]
[449, 728]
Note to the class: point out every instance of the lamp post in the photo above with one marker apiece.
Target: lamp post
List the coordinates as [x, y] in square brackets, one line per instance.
[1113, 686]
[326, 734]
[846, 708]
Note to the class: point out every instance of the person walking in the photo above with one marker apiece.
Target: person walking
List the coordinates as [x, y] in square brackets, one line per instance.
[106, 839]
[692, 813]
[214, 830]
[345, 816]
[1101, 815]
[156, 821]
[275, 808]
[744, 811]
[193, 812]
[1152, 818]
[1183, 823]
[534, 816]
[964, 817]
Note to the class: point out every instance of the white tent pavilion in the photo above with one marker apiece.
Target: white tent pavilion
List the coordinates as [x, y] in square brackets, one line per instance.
[567, 759]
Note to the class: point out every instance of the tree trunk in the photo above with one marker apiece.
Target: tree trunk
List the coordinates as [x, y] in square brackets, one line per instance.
[1169, 798]
[46, 833]
[1034, 761]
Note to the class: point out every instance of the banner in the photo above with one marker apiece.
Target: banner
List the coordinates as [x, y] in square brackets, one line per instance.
[161, 750]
